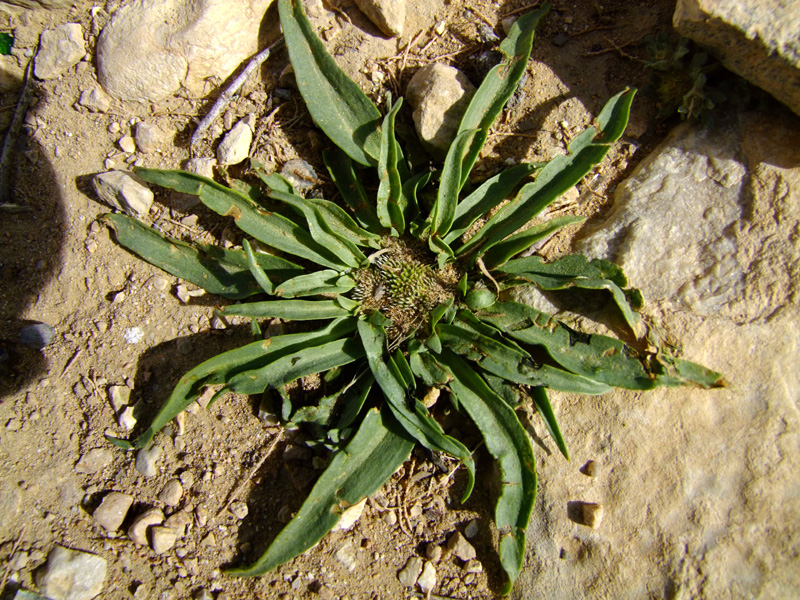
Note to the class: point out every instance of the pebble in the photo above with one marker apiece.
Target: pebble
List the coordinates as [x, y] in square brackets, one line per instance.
[119, 396]
[149, 137]
[123, 191]
[162, 538]
[187, 479]
[433, 551]
[180, 523]
[471, 530]
[37, 335]
[350, 516]
[238, 509]
[427, 580]
[113, 510]
[171, 493]
[591, 469]
[93, 461]
[146, 460]
[127, 144]
[114, 127]
[209, 540]
[201, 515]
[592, 514]
[347, 556]
[235, 146]
[409, 575]
[137, 532]
[388, 15]
[390, 518]
[473, 566]
[458, 545]
[126, 419]
[13, 425]
[71, 574]
[96, 100]
[59, 50]
[201, 166]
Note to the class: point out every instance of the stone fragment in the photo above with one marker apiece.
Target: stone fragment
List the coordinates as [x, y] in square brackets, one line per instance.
[124, 191]
[209, 540]
[36, 335]
[427, 579]
[171, 493]
[71, 575]
[127, 144]
[119, 396]
[201, 166]
[473, 566]
[18, 561]
[591, 469]
[149, 137]
[350, 516]
[347, 555]
[138, 529]
[235, 146]
[433, 551]
[152, 48]
[592, 514]
[180, 523]
[458, 545]
[112, 510]
[93, 461]
[238, 509]
[409, 575]
[388, 15]
[146, 460]
[162, 538]
[439, 96]
[59, 50]
[95, 100]
[758, 40]
[471, 530]
[126, 418]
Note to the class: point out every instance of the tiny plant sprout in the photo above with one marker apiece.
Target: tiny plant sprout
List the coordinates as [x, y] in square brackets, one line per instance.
[403, 289]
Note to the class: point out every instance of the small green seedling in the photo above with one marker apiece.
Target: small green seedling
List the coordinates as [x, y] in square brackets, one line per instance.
[408, 294]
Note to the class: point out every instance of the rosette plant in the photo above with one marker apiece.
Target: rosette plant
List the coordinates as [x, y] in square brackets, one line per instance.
[403, 287]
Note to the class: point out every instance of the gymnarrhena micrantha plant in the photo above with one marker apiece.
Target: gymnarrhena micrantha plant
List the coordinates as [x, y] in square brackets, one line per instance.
[405, 300]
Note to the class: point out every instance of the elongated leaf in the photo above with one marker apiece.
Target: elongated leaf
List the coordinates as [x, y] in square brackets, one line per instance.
[488, 195]
[218, 271]
[306, 361]
[416, 421]
[345, 250]
[519, 242]
[343, 225]
[559, 175]
[507, 441]
[499, 84]
[271, 228]
[257, 270]
[391, 204]
[340, 166]
[576, 271]
[312, 284]
[294, 310]
[337, 104]
[542, 403]
[378, 449]
[411, 189]
[444, 210]
[353, 399]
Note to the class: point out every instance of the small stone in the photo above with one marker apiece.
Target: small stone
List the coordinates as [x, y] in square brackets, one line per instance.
[37, 335]
[390, 518]
[114, 127]
[149, 137]
[592, 514]
[350, 516]
[471, 530]
[113, 510]
[209, 540]
[235, 146]
[146, 460]
[238, 509]
[162, 539]
[180, 523]
[203, 594]
[119, 396]
[201, 515]
[201, 166]
[187, 479]
[427, 580]
[347, 556]
[124, 191]
[458, 545]
[132, 335]
[433, 551]
[591, 469]
[71, 574]
[96, 100]
[126, 419]
[13, 425]
[410, 573]
[94, 461]
[127, 144]
[137, 532]
[59, 50]
[473, 566]
[415, 511]
[171, 493]
[389, 16]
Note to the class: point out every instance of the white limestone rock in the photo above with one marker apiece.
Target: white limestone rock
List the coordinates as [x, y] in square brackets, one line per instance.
[60, 49]
[388, 15]
[71, 575]
[124, 191]
[235, 146]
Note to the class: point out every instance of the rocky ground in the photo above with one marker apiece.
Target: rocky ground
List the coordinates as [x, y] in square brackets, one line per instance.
[697, 489]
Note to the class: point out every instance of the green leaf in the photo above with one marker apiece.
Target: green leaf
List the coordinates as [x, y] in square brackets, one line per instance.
[519, 242]
[507, 441]
[444, 210]
[293, 310]
[267, 227]
[340, 166]
[218, 271]
[542, 402]
[500, 84]
[344, 112]
[558, 176]
[488, 195]
[378, 449]
[256, 270]
[312, 284]
[343, 225]
[6, 43]
[391, 203]
[416, 420]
